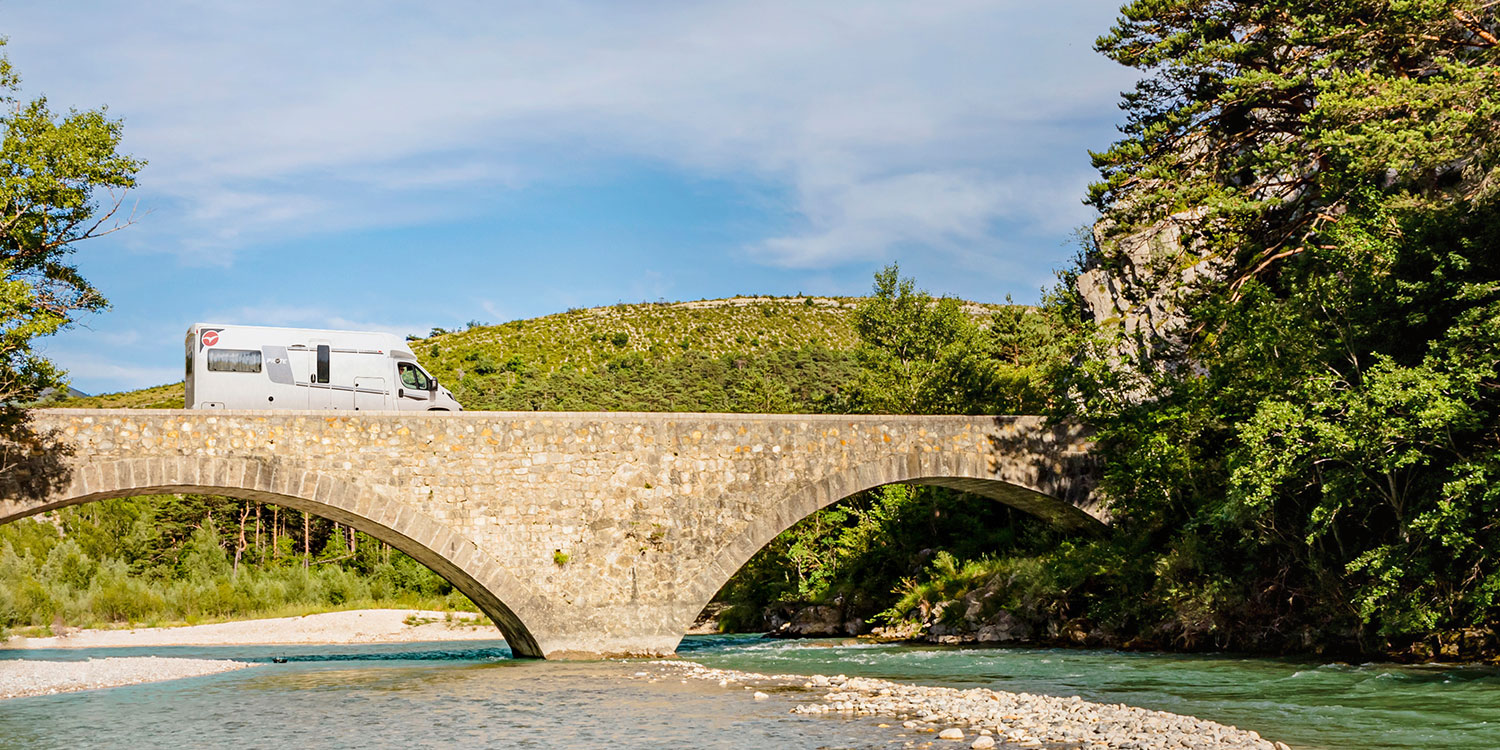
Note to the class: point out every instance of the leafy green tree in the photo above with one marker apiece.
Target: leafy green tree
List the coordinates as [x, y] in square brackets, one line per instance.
[917, 354]
[52, 168]
[763, 394]
[1319, 452]
[924, 355]
[908, 342]
[1275, 116]
[173, 564]
[204, 558]
[68, 565]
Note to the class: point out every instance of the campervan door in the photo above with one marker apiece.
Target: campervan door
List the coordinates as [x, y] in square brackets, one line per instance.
[346, 369]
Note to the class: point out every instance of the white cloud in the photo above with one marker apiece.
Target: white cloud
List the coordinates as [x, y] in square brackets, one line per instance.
[867, 218]
[497, 313]
[888, 123]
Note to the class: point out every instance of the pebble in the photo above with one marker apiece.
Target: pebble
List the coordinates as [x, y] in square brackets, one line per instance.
[761, 696]
[997, 717]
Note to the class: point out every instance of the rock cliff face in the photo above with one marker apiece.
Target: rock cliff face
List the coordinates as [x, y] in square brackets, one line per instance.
[1139, 287]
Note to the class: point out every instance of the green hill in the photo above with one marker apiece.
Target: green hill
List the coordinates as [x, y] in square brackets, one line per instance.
[586, 339]
[736, 354]
[156, 397]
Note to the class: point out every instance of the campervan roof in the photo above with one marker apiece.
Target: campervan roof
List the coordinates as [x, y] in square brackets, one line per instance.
[364, 339]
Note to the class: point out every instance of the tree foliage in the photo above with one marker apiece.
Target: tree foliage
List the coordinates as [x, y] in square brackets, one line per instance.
[1276, 116]
[52, 169]
[1323, 457]
[803, 380]
[923, 355]
[175, 558]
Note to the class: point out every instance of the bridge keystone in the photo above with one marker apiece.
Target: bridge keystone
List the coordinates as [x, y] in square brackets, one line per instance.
[654, 511]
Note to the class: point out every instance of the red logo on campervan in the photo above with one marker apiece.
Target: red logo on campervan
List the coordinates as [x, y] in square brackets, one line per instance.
[210, 338]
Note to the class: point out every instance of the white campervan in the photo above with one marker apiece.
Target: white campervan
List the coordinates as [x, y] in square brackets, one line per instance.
[256, 367]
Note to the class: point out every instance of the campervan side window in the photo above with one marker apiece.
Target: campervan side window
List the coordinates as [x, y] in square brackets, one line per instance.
[323, 357]
[234, 360]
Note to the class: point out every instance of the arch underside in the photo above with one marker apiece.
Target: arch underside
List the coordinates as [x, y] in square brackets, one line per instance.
[969, 474]
[447, 553]
[1042, 506]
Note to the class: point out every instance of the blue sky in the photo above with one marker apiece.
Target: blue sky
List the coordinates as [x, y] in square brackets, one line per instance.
[388, 166]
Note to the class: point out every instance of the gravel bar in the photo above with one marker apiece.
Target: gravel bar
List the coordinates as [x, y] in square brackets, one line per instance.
[20, 677]
[983, 718]
[352, 626]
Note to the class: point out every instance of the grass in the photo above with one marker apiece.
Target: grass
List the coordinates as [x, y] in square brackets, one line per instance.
[168, 396]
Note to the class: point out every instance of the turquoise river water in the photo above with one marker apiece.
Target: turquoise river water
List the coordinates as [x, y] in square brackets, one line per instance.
[474, 695]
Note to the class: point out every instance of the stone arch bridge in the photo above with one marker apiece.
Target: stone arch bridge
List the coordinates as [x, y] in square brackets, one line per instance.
[580, 535]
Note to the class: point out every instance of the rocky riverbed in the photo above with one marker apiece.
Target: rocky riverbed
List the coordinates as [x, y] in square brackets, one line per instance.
[980, 718]
[20, 677]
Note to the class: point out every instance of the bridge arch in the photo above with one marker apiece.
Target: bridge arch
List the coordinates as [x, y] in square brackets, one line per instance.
[966, 472]
[364, 507]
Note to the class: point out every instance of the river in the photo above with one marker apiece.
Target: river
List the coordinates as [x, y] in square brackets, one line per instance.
[473, 695]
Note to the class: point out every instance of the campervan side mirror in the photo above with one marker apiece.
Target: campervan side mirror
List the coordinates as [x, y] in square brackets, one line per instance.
[432, 384]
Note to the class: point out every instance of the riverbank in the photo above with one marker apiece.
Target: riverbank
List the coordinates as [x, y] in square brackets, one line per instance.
[23, 677]
[982, 718]
[354, 626]
[979, 626]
